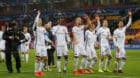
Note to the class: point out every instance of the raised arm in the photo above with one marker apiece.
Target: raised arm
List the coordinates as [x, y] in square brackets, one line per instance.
[35, 22]
[98, 22]
[130, 19]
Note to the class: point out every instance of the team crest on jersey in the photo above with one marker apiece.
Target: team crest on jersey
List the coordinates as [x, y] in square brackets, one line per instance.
[63, 30]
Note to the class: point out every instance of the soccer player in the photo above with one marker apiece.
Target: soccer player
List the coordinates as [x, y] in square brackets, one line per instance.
[79, 46]
[2, 44]
[40, 48]
[104, 36]
[91, 43]
[119, 43]
[50, 47]
[25, 46]
[62, 39]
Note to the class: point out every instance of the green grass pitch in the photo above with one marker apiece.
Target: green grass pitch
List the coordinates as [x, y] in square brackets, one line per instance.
[131, 69]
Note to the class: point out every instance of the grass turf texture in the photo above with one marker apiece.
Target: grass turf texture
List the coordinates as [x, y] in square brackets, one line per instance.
[131, 69]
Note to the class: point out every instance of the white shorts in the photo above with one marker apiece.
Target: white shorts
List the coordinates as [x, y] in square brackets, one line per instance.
[105, 50]
[91, 53]
[41, 50]
[121, 54]
[79, 50]
[2, 45]
[62, 50]
[24, 48]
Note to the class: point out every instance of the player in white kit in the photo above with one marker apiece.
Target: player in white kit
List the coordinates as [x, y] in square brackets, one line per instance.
[104, 36]
[40, 48]
[62, 39]
[2, 44]
[25, 46]
[91, 43]
[119, 43]
[79, 46]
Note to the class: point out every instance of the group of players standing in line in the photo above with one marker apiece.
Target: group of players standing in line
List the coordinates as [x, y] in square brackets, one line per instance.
[84, 42]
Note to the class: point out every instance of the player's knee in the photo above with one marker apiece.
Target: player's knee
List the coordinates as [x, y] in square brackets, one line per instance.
[76, 57]
[124, 59]
[84, 56]
[66, 57]
[58, 57]
[117, 59]
[102, 57]
[109, 57]
[45, 58]
[95, 59]
[89, 60]
[38, 58]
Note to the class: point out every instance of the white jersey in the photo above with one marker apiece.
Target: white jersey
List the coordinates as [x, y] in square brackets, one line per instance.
[2, 41]
[90, 38]
[119, 35]
[103, 33]
[1, 34]
[61, 34]
[79, 31]
[40, 36]
[28, 37]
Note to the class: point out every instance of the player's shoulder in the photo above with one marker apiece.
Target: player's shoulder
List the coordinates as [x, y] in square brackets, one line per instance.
[74, 28]
[116, 30]
[101, 28]
[64, 26]
[87, 31]
[28, 33]
[82, 26]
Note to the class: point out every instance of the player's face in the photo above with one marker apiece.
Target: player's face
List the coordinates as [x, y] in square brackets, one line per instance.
[78, 21]
[121, 24]
[92, 27]
[85, 16]
[48, 25]
[3, 28]
[39, 22]
[105, 23]
[25, 29]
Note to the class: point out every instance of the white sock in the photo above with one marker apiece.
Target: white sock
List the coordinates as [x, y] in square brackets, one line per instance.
[87, 63]
[93, 62]
[107, 63]
[41, 66]
[65, 64]
[122, 64]
[100, 64]
[59, 65]
[27, 57]
[2, 55]
[36, 66]
[83, 62]
[22, 57]
[76, 63]
[116, 65]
